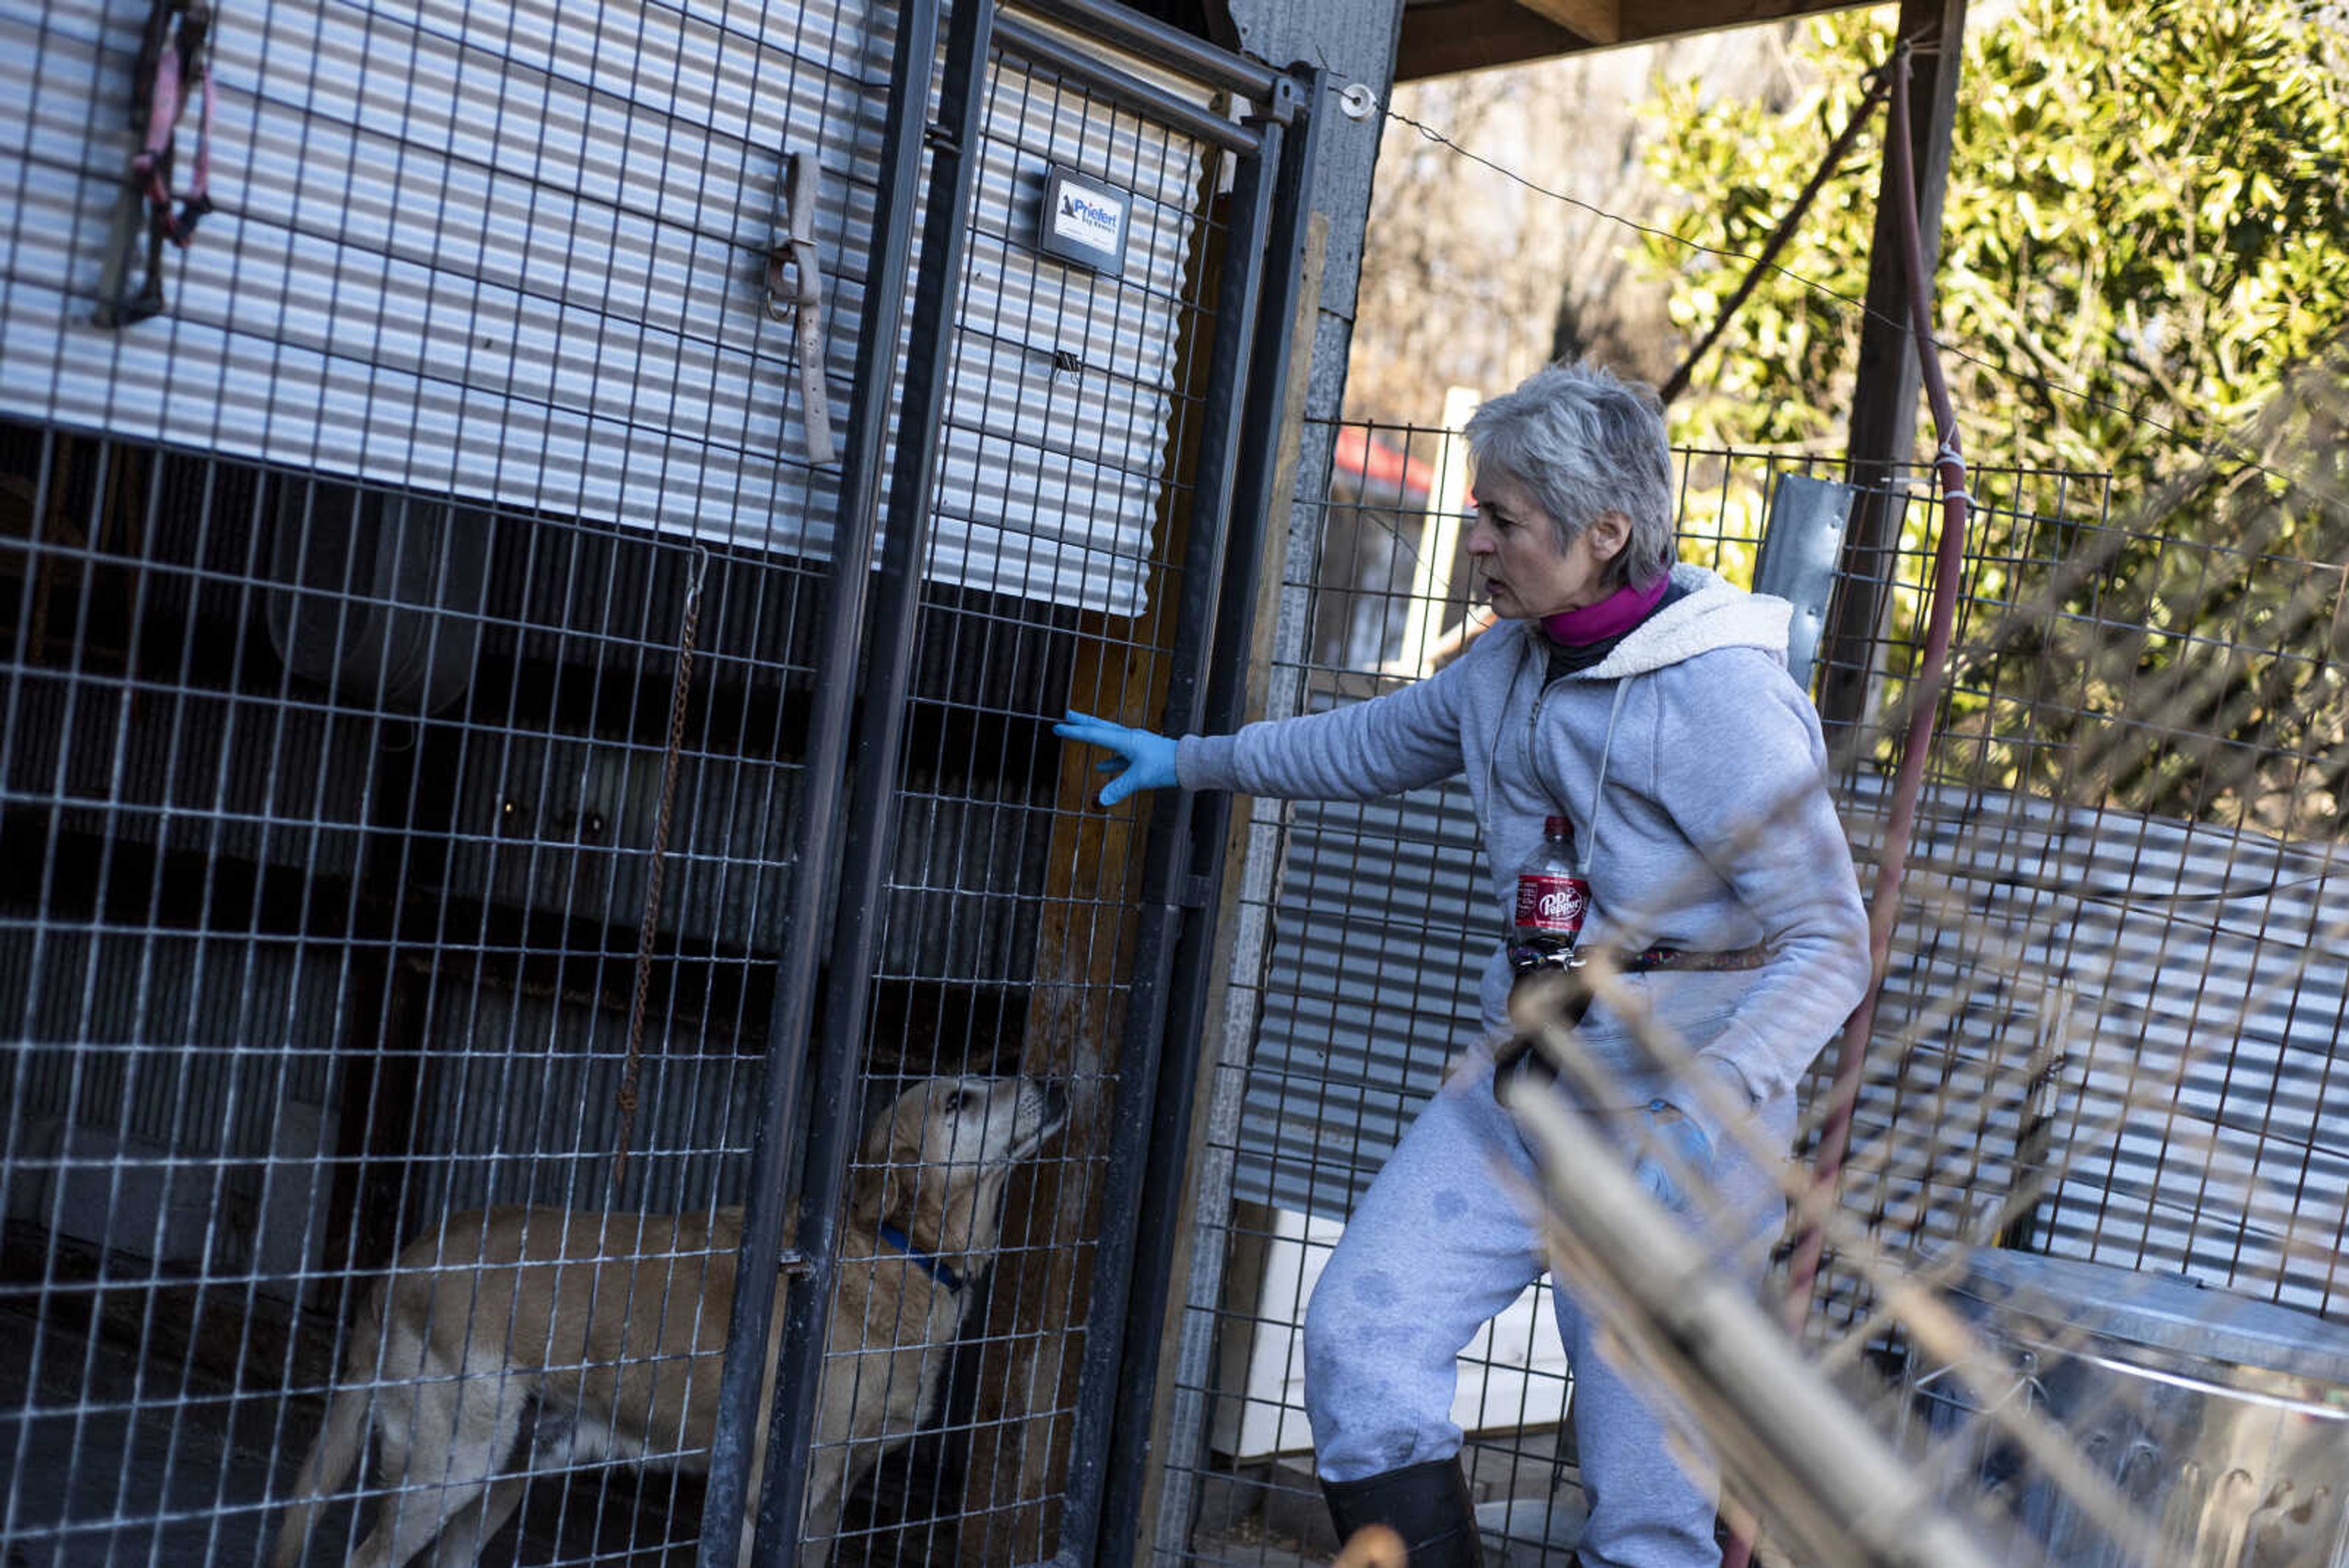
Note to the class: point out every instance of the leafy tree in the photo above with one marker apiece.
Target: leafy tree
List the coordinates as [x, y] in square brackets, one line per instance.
[2145, 250]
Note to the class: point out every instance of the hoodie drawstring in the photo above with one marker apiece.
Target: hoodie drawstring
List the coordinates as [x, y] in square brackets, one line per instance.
[1598, 786]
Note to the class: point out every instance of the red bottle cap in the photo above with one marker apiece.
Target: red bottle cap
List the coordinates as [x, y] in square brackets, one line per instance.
[1558, 827]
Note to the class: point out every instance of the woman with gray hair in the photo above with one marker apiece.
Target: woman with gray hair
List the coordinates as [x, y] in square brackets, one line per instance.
[1649, 704]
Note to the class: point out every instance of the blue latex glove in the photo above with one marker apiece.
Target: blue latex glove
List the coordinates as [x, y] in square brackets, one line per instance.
[1147, 759]
[1672, 1151]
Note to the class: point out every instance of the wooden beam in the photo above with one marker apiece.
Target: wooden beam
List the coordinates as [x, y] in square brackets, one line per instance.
[1648, 20]
[1441, 37]
[1600, 21]
[1449, 35]
[1220, 1050]
[1041, 1291]
[1885, 383]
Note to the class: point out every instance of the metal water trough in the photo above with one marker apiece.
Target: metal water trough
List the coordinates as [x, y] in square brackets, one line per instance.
[2221, 1421]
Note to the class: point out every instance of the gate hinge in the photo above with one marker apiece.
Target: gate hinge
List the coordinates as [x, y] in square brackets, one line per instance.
[1192, 891]
[1287, 101]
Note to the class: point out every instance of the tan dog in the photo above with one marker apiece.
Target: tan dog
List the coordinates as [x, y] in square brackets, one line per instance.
[611, 1329]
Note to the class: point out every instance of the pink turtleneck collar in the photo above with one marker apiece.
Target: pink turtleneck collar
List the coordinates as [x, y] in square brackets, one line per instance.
[1613, 615]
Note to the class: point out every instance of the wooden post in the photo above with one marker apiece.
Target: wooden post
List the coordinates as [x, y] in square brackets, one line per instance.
[1042, 1284]
[1884, 393]
[1219, 1051]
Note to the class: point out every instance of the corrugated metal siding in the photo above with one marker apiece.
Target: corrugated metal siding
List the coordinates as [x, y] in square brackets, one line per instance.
[174, 1094]
[1379, 934]
[2201, 1125]
[1049, 485]
[967, 882]
[2199, 1121]
[276, 783]
[495, 252]
[561, 824]
[518, 1103]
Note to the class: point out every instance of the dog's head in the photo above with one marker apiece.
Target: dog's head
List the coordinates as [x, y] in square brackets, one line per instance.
[934, 1162]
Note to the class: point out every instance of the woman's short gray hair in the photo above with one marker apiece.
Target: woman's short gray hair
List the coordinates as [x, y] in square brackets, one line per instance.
[1586, 442]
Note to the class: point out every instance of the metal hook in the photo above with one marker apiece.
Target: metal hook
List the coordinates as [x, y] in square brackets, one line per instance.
[795, 293]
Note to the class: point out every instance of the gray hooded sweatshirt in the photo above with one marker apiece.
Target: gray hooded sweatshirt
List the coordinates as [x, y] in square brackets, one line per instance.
[1710, 830]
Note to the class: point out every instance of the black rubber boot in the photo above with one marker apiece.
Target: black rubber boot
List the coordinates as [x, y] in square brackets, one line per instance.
[1427, 1504]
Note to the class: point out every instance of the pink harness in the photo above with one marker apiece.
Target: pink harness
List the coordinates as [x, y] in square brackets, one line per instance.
[172, 58]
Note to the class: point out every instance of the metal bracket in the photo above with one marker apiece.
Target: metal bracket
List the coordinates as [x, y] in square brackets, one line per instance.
[1801, 542]
[1287, 100]
[795, 293]
[1284, 105]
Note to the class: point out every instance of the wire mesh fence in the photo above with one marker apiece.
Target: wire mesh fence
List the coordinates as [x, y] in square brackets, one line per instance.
[416, 649]
[1374, 932]
[423, 654]
[329, 808]
[2084, 1259]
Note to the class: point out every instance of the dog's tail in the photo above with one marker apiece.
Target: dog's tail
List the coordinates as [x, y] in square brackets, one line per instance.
[332, 1459]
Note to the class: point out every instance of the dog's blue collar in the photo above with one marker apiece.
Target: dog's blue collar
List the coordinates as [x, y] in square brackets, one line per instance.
[892, 1237]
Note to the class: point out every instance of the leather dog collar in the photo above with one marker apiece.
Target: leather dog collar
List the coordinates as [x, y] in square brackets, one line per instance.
[892, 1237]
[1653, 958]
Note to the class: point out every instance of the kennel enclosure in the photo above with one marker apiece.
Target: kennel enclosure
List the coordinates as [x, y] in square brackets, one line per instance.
[458, 731]
[466, 745]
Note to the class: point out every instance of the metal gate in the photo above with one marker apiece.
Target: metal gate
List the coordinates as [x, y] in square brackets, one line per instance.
[467, 748]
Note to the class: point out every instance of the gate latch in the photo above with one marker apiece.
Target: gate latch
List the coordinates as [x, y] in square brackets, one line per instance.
[795, 293]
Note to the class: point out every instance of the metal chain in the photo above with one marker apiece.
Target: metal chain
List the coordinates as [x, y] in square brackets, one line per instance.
[656, 873]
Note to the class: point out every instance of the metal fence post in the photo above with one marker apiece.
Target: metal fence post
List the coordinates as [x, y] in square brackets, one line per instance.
[740, 1392]
[1800, 543]
[836, 1119]
[1884, 400]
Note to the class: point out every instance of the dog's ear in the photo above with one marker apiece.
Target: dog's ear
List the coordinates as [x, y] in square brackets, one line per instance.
[867, 1187]
[889, 1165]
[868, 1180]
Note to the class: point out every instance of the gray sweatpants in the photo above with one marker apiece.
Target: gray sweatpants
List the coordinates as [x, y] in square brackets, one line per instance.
[1442, 1242]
